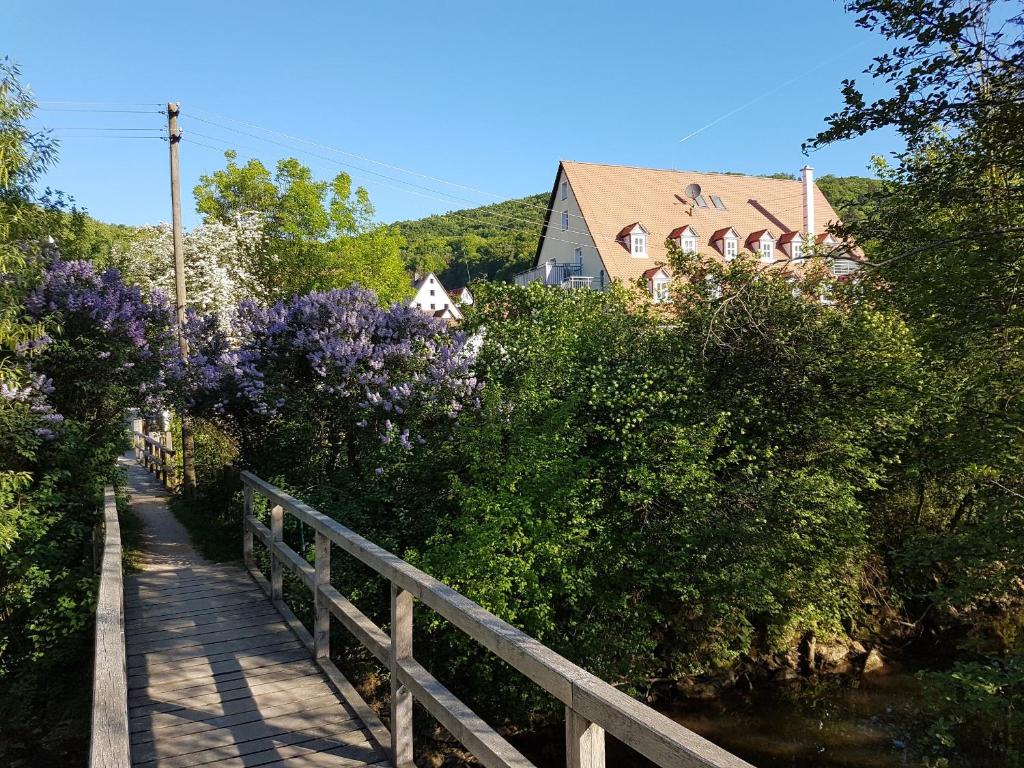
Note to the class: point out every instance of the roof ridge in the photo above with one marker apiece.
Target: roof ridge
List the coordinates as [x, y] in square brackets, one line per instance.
[682, 170]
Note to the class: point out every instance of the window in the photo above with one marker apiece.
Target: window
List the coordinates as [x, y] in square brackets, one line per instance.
[688, 244]
[431, 281]
[565, 189]
[701, 202]
[600, 279]
[578, 257]
[419, 305]
[767, 250]
[565, 220]
[639, 245]
[717, 202]
[431, 291]
[731, 247]
[798, 250]
[432, 306]
[714, 289]
[660, 291]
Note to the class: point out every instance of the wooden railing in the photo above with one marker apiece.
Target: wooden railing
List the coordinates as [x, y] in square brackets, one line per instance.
[109, 745]
[592, 706]
[155, 454]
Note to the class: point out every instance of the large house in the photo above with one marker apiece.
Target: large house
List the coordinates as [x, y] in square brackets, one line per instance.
[610, 222]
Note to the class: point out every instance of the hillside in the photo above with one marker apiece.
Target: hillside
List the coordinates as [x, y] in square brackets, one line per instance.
[496, 241]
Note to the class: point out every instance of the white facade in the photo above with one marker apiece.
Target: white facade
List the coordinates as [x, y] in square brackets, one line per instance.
[573, 246]
[432, 299]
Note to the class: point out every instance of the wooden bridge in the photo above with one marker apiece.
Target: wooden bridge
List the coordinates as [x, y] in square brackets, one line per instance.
[204, 664]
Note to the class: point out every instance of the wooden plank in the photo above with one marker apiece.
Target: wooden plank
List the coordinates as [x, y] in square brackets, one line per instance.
[186, 689]
[109, 737]
[251, 689]
[355, 621]
[150, 643]
[174, 656]
[172, 733]
[401, 696]
[324, 734]
[235, 665]
[584, 742]
[322, 614]
[479, 738]
[315, 721]
[353, 747]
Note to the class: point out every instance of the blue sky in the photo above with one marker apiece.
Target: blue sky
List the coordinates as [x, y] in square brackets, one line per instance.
[489, 96]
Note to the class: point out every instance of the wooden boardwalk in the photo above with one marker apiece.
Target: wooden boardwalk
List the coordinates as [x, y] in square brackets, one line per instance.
[216, 677]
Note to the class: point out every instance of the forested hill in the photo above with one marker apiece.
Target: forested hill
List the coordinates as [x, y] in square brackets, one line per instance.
[497, 241]
[492, 242]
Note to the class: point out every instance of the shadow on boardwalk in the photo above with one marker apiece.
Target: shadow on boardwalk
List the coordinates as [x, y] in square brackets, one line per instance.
[215, 676]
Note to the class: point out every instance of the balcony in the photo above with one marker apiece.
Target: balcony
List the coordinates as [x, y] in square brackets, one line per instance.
[552, 273]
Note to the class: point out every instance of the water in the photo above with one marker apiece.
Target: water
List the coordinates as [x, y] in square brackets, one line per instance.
[872, 723]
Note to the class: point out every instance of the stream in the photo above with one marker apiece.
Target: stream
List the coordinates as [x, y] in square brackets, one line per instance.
[873, 723]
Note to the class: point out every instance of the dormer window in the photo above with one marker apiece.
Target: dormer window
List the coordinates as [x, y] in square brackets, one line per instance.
[658, 281]
[792, 244]
[686, 238]
[727, 242]
[634, 238]
[763, 243]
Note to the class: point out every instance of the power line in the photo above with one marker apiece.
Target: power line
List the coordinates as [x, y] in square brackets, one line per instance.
[82, 109]
[100, 103]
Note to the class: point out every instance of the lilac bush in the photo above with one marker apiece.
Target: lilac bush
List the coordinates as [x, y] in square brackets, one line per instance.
[109, 347]
[336, 362]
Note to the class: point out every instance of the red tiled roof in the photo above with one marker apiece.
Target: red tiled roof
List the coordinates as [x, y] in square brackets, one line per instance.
[719, 234]
[629, 228]
[679, 231]
[787, 237]
[650, 273]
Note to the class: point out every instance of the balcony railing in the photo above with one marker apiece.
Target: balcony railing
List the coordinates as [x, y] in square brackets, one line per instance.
[575, 282]
[552, 273]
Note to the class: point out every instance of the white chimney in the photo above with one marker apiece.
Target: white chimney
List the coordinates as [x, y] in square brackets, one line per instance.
[808, 174]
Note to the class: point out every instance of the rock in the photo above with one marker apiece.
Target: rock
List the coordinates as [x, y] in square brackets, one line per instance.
[857, 648]
[787, 676]
[875, 663]
[834, 659]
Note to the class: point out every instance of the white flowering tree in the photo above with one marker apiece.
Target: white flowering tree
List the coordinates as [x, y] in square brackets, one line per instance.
[219, 260]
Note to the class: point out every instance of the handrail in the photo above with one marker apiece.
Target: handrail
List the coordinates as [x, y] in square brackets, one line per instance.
[155, 455]
[592, 706]
[109, 743]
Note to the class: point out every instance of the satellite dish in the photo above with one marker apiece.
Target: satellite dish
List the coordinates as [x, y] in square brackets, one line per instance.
[692, 191]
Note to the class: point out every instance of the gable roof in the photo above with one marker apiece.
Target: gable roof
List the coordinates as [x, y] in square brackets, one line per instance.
[611, 196]
[628, 229]
[651, 273]
[788, 237]
[683, 230]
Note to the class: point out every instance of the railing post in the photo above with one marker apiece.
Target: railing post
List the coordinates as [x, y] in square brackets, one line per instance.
[276, 535]
[246, 530]
[401, 697]
[584, 742]
[167, 441]
[322, 620]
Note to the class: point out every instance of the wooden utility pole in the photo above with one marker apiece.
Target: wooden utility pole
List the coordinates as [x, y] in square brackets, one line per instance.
[188, 469]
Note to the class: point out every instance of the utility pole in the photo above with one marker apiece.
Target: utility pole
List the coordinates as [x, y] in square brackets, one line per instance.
[188, 468]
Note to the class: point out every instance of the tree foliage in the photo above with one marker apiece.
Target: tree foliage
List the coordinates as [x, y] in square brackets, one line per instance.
[317, 234]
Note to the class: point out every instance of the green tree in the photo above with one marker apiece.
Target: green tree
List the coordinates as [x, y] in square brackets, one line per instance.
[318, 234]
[946, 230]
